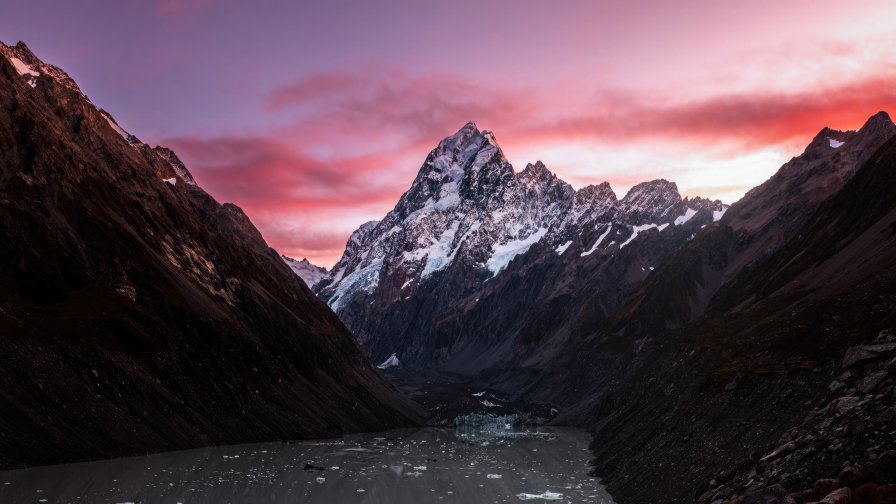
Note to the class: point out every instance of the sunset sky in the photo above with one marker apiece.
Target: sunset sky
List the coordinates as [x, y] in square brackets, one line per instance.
[315, 117]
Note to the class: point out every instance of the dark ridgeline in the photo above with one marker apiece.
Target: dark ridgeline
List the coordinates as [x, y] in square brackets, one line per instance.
[692, 351]
[136, 313]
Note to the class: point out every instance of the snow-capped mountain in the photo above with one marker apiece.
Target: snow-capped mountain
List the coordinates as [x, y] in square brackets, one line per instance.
[464, 223]
[309, 273]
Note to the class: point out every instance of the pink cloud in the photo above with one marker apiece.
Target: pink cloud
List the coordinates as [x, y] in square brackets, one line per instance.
[357, 139]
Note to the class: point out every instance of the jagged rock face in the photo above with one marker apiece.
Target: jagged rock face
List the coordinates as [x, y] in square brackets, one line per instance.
[136, 313]
[309, 273]
[740, 335]
[473, 251]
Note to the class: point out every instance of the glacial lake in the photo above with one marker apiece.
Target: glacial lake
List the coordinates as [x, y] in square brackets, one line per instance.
[402, 466]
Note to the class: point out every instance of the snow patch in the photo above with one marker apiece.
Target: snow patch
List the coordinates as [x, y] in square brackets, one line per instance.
[562, 248]
[688, 214]
[717, 215]
[23, 68]
[835, 143]
[392, 361]
[639, 229]
[172, 180]
[116, 127]
[597, 243]
[488, 404]
[503, 254]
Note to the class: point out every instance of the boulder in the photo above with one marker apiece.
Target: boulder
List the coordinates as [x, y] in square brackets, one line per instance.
[844, 404]
[865, 352]
[870, 382]
[775, 494]
[842, 495]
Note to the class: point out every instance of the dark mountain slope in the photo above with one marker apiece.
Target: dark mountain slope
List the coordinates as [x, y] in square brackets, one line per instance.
[712, 384]
[136, 313]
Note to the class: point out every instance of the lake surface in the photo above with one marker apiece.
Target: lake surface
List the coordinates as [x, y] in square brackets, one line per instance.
[402, 466]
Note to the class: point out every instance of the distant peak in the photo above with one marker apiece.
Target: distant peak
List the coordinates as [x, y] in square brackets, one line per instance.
[878, 121]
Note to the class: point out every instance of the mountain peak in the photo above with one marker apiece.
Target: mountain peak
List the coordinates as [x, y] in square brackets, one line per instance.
[880, 121]
[650, 200]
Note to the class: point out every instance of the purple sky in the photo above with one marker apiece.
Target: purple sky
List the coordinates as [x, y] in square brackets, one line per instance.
[314, 117]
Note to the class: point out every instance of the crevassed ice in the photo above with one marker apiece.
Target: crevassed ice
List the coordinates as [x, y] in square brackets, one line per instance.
[365, 279]
[502, 254]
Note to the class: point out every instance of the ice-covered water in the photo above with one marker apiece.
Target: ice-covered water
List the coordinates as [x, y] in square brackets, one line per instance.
[413, 466]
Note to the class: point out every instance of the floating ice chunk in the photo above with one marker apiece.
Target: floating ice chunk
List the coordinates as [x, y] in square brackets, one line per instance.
[546, 495]
[320, 479]
[493, 476]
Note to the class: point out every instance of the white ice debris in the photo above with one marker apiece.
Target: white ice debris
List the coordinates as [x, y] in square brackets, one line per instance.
[502, 254]
[717, 215]
[688, 214]
[172, 180]
[835, 143]
[598, 242]
[639, 229]
[392, 361]
[562, 248]
[488, 404]
[493, 476]
[546, 495]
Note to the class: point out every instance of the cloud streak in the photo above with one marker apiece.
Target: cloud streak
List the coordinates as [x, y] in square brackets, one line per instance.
[354, 141]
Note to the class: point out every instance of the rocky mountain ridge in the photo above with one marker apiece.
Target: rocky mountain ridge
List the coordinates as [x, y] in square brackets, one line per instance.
[467, 221]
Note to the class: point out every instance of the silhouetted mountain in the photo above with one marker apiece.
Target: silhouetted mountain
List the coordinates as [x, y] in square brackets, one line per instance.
[136, 313]
[725, 372]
